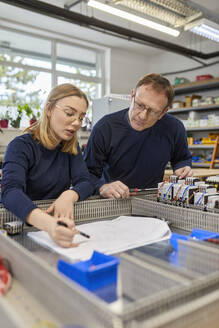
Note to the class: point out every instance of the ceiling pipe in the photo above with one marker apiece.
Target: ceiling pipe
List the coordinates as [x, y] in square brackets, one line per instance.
[93, 23]
[72, 4]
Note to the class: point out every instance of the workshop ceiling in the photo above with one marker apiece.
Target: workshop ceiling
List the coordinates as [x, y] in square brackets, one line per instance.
[174, 14]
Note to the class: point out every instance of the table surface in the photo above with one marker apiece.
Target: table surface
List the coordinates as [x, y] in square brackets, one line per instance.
[161, 250]
[199, 173]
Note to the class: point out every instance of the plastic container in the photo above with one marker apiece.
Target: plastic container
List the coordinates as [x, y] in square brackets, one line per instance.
[98, 274]
[3, 123]
[195, 234]
[204, 77]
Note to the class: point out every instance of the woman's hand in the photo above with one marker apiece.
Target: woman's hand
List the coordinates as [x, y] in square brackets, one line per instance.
[63, 236]
[63, 206]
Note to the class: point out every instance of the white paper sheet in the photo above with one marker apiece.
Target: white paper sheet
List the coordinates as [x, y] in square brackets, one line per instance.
[109, 237]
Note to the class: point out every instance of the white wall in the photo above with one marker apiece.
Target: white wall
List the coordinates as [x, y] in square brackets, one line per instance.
[169, 62]
[126, 69]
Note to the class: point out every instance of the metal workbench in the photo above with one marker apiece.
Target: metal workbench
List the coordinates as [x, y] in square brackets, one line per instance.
[157, 286]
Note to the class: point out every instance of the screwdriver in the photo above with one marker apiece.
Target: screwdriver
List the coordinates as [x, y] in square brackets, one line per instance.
[134, 191]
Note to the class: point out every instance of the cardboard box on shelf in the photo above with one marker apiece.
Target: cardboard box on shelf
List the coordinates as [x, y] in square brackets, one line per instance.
[196, 100]
[178, 104]
[204, 77]
[188, 101]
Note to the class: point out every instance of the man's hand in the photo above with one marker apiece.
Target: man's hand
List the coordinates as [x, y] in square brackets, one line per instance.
[115, 189]
[184, 172]
[63, 206]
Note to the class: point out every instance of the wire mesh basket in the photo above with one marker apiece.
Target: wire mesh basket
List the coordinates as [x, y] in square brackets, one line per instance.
[153, 293]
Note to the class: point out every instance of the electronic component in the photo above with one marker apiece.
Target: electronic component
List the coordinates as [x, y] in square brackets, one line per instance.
[174, 178]
[13, 227]
[165, 191]
[213, 201]
[201, 197]
[214, 181]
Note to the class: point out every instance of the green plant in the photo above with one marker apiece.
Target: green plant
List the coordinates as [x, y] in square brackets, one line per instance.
[15, 122]
[33, 114]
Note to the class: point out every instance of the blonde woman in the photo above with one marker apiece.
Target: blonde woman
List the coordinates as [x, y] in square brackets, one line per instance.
[46, 163]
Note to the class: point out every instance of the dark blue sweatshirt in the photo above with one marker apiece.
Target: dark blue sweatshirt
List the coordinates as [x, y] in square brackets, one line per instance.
[115, 151]
[32, 172]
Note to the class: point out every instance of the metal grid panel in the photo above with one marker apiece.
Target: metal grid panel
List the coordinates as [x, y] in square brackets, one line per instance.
[200, 313]
[141, 279]
[158, 293]
[85, 211]
[101, 209]
[36, 277]
[198, 257]
[179, 217]
[145, 310]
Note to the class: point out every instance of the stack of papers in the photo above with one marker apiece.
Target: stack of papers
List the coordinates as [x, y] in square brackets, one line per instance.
[109, 237]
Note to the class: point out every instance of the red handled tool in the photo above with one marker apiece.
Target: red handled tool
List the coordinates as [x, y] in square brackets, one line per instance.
[134, 191]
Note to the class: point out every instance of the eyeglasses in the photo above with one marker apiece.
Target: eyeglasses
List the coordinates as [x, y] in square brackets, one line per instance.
[71, 113]
[141, 108]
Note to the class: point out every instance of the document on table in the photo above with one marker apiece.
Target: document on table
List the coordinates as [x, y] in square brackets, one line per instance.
[109, 237]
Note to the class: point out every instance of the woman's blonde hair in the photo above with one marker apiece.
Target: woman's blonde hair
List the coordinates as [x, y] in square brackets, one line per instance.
[41, 129]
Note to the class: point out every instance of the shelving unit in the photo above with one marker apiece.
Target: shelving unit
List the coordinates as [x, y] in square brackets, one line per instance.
[83, 137]
[198, 108]
[194, 164]
[201, 87]
[204, 85]
[209, 128]
[201, 147]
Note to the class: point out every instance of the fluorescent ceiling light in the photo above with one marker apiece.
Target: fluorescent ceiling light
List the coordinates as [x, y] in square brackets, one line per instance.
[205, 28]
[133, 18]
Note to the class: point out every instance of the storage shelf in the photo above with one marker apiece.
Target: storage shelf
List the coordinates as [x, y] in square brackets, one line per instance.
[198, 108]
[209, 128]
[197, 86]
[201, 147]
[194, 164]
[207, 165]
[189, 88]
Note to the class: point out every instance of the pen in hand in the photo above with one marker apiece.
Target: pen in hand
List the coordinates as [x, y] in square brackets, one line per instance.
[61, 223]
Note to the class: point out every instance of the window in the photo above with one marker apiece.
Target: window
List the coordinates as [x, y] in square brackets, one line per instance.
[31, 65]
[76, 60]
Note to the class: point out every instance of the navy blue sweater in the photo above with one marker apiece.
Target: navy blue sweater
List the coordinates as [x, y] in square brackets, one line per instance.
[32, 172]
[115, 151]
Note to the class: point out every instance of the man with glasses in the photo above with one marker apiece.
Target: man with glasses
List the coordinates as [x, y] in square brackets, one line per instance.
[132, 147]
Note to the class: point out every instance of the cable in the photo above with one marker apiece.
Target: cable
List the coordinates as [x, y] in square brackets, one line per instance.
[160, 188]
[175, 198]
[191, 69]
[198, 201]
[192, 195]
[185, 191]
[168, 190]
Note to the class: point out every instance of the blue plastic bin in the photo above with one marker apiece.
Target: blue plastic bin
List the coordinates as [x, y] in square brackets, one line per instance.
[174, 239]
[98, 274]
[195, 234]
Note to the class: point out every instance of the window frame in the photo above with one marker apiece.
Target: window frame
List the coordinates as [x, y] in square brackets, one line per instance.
[102, 55]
